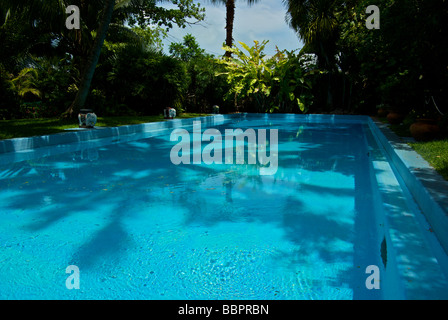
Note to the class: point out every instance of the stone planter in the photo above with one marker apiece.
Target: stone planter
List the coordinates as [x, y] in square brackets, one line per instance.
[87, 118]
[424, 129]
[395, 117]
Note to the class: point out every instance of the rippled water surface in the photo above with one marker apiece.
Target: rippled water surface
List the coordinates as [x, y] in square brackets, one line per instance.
[139, 227]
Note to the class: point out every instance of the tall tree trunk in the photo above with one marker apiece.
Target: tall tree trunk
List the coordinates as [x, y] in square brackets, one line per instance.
[92, 59]
[230, 17]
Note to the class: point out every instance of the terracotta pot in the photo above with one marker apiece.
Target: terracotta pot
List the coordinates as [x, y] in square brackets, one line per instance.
[395, 117]
[424, 129]
[382, 112]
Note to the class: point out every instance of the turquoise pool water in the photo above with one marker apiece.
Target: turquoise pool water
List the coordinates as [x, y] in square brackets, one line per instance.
[139, 227]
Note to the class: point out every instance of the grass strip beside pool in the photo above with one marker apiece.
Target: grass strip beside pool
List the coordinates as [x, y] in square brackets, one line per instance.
[36, 127]
[436, 153]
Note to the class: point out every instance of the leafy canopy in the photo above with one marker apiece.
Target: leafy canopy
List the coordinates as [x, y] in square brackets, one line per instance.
[279, 83]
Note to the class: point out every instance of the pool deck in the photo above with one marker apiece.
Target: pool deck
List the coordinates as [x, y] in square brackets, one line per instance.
[428, 188]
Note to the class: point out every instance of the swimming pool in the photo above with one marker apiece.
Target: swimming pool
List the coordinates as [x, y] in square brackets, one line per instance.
[139, 227]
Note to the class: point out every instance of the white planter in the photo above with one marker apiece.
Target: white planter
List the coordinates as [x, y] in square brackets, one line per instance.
[169, 113]
[87, 118]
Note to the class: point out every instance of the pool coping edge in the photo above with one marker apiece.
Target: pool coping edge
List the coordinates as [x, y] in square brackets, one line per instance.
[73, 136]
[422, 180]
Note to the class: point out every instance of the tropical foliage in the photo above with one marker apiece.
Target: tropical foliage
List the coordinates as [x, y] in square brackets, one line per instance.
[402, 64]
[35, 30]
[342, 67]
[203, 88]
[257, 83]
[131, 78]
[317, 25]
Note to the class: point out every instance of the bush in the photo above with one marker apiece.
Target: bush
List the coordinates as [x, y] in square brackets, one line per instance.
[204, 89]
[281, 83]
[9, 105]
[132, 80]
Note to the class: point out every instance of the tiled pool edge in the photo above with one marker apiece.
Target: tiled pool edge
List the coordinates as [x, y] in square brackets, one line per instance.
[28, 143]
[424, 183]
[73, 136]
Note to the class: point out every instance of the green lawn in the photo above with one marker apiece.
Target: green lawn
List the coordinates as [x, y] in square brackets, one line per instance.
[37, 127]
[436, 153]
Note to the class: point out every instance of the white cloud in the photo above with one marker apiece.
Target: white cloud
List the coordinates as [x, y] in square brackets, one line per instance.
[262, 21]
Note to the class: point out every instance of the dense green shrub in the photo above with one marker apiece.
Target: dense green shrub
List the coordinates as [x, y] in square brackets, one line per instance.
[131, 79]
[9, 104]
[281, 83]
[204, 89]
[403, 62]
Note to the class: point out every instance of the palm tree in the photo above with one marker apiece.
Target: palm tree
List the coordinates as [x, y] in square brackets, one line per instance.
[49, 16]
[316, 24]
[92, 59]
[230, 17]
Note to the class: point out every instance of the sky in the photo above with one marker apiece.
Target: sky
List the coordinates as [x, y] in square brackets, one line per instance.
[264, 20]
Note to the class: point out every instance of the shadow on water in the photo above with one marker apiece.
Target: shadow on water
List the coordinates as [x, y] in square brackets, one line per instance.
[59, 187]
[105, 247]
[325, 233]
[79, 182]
